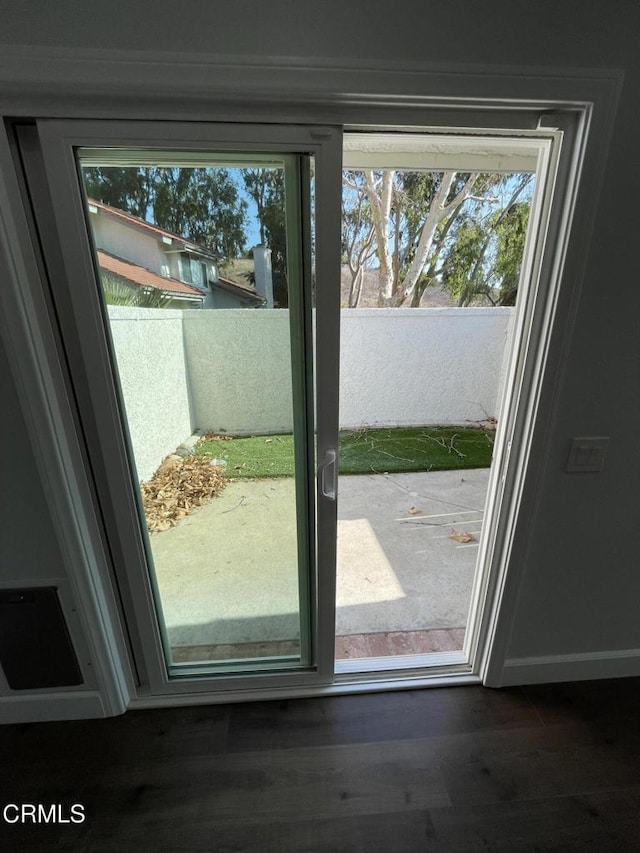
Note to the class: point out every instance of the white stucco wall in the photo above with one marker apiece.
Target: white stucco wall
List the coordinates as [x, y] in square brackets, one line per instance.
[239, 369]
[419, 366]
[151, 365]
[398, 367]
[229, 371]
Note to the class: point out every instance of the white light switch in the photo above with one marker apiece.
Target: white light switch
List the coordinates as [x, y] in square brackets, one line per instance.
[587, 454]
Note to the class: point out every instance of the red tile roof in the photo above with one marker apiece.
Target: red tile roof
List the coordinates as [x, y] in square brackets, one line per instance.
[144, 277]
[245, 292]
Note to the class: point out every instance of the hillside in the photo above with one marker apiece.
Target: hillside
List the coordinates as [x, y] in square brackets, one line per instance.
[434, 297]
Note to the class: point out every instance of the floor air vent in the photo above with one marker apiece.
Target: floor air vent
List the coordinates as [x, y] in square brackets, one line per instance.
[35, 647]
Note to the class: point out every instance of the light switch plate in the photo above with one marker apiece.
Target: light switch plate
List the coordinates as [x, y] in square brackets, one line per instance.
[587, 454]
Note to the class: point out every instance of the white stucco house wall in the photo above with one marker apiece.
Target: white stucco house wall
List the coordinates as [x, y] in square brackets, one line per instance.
[139, 254]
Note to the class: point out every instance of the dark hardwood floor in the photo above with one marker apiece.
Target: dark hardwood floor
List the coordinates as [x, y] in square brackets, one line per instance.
[548, 768]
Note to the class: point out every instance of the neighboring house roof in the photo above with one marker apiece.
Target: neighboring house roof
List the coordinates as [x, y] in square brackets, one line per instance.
[242, 290]
[144, 277]
[142, 225]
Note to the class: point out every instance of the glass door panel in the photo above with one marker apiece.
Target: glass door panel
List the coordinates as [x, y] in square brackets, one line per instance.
[434, 231]
[202, 275]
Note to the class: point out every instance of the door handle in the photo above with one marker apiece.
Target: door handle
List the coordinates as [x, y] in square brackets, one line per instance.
[328, 475]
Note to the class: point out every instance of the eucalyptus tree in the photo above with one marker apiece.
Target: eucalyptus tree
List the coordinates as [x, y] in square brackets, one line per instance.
[482, 263]
[462, 230]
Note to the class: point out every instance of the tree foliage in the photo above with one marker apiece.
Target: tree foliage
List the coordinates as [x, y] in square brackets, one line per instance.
[511, 234]
[463, 230]
[267, 189]
[200, 204]
[484, 259]
[204, 205]
[358, 247]
[128, 188]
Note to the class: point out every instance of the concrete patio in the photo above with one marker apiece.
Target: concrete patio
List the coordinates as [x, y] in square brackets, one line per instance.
[227, 574]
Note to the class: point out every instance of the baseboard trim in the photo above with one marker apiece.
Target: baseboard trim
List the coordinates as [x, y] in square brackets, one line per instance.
[618, 663]
[49, 707]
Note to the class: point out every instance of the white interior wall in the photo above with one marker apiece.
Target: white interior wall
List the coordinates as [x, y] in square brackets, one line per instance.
[580, 577]
[29, 548]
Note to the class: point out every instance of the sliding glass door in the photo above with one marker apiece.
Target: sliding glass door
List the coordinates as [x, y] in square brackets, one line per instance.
[195, 274]
[188, 278]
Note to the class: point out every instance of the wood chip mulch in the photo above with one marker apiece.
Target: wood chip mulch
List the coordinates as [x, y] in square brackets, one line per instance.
[178, 487]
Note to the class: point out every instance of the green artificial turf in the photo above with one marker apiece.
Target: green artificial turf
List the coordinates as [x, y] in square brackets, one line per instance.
[414, 449]
[366, 451]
